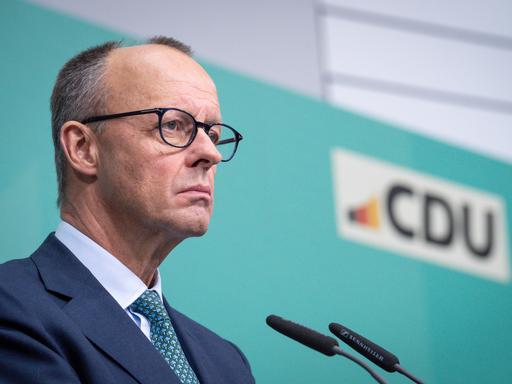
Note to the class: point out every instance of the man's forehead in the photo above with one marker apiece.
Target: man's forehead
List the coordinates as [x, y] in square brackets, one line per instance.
[154, 71]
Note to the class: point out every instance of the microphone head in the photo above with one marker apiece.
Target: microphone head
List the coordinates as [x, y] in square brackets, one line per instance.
[384, 359]
[306, 336]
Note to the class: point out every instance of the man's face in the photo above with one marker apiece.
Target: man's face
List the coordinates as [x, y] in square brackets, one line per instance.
[140, 178]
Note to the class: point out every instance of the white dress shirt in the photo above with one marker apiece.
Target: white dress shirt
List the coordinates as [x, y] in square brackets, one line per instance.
[122, 284]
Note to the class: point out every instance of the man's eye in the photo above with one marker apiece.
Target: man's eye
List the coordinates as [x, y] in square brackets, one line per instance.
[172, 125]
[214, 136]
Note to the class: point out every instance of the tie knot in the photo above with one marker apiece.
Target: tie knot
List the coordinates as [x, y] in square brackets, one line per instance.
[150, 305]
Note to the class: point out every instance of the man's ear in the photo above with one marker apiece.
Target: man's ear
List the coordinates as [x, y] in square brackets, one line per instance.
[80, 146]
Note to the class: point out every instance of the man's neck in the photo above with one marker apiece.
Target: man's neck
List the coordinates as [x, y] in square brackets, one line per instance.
[141, 250]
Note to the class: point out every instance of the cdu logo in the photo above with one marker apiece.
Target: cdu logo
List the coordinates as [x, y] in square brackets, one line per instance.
[420, 216]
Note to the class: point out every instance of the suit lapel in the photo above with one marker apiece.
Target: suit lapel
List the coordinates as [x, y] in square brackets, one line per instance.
[197, 356]
[99, 316]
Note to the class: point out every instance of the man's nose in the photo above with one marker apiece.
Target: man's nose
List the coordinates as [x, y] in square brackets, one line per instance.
[203, 150]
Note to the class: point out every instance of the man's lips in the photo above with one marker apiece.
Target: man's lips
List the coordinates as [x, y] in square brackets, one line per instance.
[198, 189]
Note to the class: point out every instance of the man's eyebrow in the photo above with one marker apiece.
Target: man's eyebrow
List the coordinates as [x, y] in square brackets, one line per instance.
[212, 122]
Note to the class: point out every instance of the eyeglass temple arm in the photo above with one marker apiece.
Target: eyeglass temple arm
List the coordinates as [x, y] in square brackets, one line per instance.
[118, 115]
[236, 139]
[226, 141]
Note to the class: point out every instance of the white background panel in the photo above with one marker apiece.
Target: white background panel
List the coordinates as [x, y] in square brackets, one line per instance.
[416, 59]
[488, 16]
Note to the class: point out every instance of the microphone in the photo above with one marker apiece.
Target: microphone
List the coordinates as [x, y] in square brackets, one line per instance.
[312, 339]
[383, 358]
[315, 340]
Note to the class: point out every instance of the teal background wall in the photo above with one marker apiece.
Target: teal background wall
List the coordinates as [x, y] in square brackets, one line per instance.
[272, 245]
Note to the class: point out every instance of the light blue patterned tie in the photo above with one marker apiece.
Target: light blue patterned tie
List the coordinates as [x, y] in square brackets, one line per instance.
[163, 335]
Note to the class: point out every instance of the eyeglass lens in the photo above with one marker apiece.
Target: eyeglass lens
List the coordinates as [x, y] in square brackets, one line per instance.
[177, 128]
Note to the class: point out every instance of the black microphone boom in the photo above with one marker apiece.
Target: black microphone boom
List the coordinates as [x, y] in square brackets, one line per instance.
[312, 339]
[383, 358]
[317, 341]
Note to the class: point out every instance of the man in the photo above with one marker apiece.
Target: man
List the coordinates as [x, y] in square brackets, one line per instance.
[137, 142]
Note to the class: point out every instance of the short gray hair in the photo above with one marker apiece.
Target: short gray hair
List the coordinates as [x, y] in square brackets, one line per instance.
[80, 93]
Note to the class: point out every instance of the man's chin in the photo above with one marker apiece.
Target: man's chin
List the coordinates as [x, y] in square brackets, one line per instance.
[193, 228]
[198, 233]
[197, 229]
[190, 222]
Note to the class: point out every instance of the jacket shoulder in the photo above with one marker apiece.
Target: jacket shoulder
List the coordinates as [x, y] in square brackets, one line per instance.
[16, 274]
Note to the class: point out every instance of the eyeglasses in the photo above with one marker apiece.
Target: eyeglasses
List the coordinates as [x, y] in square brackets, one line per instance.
[178, 129]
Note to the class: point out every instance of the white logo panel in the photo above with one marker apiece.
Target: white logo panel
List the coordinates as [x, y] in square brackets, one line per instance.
[420, 216]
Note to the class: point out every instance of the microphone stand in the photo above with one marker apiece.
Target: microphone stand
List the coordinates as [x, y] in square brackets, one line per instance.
[362, 364]
[399, 368]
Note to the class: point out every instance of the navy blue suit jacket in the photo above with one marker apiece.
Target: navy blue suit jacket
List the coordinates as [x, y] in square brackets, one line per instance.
[59, 325]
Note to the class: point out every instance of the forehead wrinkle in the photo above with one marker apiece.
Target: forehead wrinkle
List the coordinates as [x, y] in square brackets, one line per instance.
[196, 106]
[190, 83]
[190, 88]
[193, 98]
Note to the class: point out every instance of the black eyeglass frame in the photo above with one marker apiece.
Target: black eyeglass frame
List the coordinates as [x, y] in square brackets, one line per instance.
[160, 113]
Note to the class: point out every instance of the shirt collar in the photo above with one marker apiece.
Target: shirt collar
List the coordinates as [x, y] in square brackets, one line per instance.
[122, 284]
